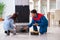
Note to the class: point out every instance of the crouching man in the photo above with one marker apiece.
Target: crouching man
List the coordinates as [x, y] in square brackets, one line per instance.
[40, 20]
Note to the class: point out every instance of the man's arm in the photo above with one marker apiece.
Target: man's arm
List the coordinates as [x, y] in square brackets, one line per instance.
[31, 23]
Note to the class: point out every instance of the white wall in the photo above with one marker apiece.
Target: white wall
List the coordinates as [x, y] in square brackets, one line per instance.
[9, 7]
[57, 4]
[22, 2]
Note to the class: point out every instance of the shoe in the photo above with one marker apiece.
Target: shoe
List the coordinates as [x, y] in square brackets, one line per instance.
[5, 32]
[35, 33]
[8, 33]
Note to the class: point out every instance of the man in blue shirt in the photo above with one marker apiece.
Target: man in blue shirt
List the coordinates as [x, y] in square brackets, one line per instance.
[38, 19]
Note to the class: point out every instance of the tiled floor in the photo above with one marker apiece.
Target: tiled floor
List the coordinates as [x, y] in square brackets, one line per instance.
[53, 34]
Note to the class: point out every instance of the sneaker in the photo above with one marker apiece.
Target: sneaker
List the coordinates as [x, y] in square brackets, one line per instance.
[8, 32]
[35, 33]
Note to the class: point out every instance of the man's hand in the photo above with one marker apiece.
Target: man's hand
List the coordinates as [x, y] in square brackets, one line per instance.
[36, 24]
[25, 27]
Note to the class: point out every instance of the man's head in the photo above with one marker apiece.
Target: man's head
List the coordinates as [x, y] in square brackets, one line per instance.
[34, 13]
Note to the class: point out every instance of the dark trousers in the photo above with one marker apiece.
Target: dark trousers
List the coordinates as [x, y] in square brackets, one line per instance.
[35, 28]
[42, 29]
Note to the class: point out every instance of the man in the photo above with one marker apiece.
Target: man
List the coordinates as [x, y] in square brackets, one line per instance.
[40, 20]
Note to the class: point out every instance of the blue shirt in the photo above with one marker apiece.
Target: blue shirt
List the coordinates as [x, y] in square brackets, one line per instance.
[8, 24]
[42, 22]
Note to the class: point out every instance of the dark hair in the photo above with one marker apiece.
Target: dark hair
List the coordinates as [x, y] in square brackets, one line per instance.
[14, 16]
[34, 11]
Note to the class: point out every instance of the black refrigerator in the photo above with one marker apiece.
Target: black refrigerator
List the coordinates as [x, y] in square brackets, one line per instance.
[23, 12]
